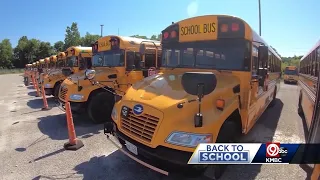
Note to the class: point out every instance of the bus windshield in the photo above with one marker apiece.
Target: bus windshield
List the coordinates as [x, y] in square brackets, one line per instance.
[291, 72]
[219, 54]
[60, 63]
[72, 61]
[111, 58]
[52, 64]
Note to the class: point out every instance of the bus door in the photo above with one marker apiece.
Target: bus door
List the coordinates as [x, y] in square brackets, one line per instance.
[258, 84]
[133, 72]
[150, 60]
[84, 62]
[150, 64]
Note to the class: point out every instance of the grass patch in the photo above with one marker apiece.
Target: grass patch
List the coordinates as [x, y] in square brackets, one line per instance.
[11, 71]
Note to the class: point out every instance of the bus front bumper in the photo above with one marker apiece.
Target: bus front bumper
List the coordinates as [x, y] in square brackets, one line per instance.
[77, 107]
[161, 159]
[290, 81]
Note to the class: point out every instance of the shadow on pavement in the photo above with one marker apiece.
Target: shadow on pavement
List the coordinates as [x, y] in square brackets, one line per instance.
[38, 103]
[49, 154]
[56, 127]
[40, 139]
[31, 86]
[305, 127]
[32, 93]
[57, 176]
[262, 132]
[115, 166]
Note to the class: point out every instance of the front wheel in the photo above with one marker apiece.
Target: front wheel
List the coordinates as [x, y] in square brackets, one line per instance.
[56, 90]
[228, 134]
[100, 107]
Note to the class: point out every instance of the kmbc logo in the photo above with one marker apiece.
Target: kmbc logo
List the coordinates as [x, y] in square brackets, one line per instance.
[273, 150]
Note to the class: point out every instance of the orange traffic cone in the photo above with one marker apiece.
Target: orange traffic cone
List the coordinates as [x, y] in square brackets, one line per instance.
[45, 102]
[37, 87]
[316, 172]
[74, 143]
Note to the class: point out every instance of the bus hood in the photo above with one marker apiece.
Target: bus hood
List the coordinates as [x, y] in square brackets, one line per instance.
[55, 72]
[77, 76]
[106, 70]
[164, 90]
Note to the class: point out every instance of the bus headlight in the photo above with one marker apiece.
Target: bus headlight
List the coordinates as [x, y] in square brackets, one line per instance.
[188, 139]
[47, 85]
[90, 73]
[76, 97]
[114, 114]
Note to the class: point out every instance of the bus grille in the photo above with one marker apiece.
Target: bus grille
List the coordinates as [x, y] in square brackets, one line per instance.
[63, 93]
[142, 127]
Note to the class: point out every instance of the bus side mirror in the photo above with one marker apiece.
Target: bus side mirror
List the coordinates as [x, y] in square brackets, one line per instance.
[199, 84]
[263, 53]
[142, 49]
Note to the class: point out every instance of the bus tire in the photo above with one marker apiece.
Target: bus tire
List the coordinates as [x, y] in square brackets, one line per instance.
[100, 107]
[56, 90]
[225, 136]
[300, 110]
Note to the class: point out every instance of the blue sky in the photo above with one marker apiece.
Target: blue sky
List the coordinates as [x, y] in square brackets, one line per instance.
[291, 26]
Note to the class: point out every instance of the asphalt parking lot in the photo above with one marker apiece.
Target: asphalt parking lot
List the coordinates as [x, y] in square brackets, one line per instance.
[31, 141]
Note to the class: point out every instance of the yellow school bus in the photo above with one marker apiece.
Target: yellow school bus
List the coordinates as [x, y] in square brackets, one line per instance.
[291, 75]
[78, 60]
[73, 54]
[55, 76]
[47, 66]
[308, 77]
[155, 119]
[117, 63]
[27, 73]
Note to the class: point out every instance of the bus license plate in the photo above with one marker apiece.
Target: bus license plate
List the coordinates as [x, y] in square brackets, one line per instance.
[132, 148]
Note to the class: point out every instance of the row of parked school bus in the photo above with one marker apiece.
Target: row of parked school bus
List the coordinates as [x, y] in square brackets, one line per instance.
[146, 92]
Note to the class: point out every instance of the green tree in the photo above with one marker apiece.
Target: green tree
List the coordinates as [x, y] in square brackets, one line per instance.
[20, 52]
[156, 37]
[45, 50]
[58, 46]
[88, 39]
[72, 36]
[6, 54]
[32, 49]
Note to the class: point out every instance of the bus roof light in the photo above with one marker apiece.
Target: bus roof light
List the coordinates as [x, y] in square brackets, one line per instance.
[224, 28]
[235, 27]
[173, 34]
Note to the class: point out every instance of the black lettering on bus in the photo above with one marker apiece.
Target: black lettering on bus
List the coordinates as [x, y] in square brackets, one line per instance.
[209, 28]
[190, 30]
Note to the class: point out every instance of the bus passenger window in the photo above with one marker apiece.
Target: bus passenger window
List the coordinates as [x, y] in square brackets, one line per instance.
[174, 58]
[254, 60]
[188, 57]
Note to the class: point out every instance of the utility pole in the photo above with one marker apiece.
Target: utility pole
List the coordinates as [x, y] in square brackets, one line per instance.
[259, 17]
[101, 29]
[118, 31]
